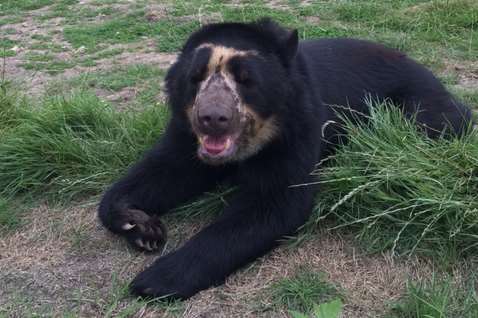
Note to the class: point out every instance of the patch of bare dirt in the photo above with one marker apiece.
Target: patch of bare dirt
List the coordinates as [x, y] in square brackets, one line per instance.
[277, 4]
[23, 33]
[313, 20]
[467, 73]
[156, 12]
[120, 5]
[35, 82]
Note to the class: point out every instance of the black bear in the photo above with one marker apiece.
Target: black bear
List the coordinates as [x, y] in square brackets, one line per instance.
[251, 107]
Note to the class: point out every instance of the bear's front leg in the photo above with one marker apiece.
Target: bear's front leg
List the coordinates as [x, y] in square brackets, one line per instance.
[250, 226]
[169, 175]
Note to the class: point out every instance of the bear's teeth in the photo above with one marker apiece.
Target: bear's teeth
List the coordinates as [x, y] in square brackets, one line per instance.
[228, 143]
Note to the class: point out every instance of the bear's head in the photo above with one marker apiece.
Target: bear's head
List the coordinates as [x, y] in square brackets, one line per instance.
[231, 84]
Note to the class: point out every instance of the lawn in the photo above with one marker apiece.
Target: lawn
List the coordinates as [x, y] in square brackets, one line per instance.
[395, 229]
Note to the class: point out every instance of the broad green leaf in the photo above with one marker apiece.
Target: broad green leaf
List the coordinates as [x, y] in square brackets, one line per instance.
[331, 309]
[296, 314]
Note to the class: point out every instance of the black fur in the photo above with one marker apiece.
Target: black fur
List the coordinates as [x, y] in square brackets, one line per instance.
[295, 83]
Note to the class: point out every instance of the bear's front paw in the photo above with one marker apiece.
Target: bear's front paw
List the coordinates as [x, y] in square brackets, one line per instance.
[162, 281]
[144, 232]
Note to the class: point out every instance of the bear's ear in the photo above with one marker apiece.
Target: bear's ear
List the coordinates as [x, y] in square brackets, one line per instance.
[289, 47]
[286, 41]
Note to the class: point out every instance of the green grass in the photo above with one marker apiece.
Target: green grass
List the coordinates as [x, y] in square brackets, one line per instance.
[10, 19]
[107, 53]
[5, 47]
[425, 29]
[303, 291]
[9, 216]
[121, 77]
[129, 28]
[47, 62]
[469, 96]
[428, 31]
[399, 190]
[78, 14]
[72, 146]
[8, 6]
[437, 298]
[331, 309]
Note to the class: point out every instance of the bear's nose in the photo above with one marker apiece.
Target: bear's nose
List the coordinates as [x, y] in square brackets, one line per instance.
[214, 120]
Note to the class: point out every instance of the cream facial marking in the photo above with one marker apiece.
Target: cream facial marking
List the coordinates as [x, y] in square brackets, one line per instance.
[220, 55]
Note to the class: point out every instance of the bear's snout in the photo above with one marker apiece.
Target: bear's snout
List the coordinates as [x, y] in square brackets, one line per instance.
[215, 120]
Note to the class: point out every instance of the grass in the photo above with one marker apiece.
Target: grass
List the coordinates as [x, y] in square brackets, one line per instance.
[116, 303]
[331, 309]
[47, 62]
[8, 6]
[437, 298]
[6, 46]
[402, 191]
[10, 19]
[469, 96]
[107, 53]
[129, 28]
[303, 291]
[425, 29]
[115, 306]
[9, 218]
[392, 188]
[71, 146]
[121, 77]
[47, 46]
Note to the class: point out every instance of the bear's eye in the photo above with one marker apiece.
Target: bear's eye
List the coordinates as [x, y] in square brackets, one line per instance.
[199, 64]
[243, 77]
[197, 75]
[242, 70]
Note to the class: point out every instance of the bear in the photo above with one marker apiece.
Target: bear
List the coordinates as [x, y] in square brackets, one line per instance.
[252, 106]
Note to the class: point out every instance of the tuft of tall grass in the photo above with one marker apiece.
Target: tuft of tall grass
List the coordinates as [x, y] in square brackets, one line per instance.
[70, 146]
[400, 190]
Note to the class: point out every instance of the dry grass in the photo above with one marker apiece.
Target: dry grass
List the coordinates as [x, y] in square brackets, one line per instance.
[63, 258]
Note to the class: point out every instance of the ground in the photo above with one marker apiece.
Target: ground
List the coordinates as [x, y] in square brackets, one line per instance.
[61, 262]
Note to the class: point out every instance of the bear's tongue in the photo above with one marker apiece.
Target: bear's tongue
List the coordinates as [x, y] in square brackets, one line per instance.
[216, 145]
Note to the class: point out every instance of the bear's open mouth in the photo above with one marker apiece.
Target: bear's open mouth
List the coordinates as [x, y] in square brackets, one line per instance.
[217, 147]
